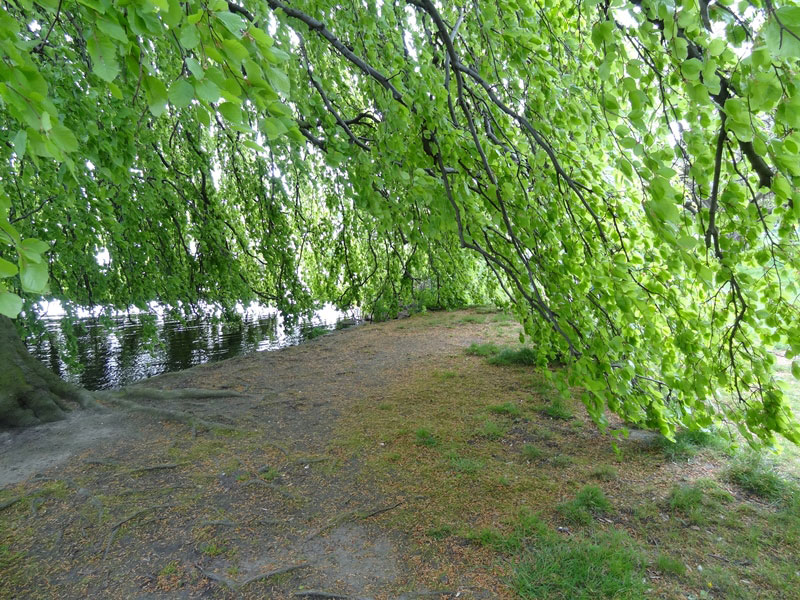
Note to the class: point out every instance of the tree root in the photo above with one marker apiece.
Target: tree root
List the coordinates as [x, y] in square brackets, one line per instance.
[350, 515]
[154, 468]
[320, 594]
[237, 585]
[165, 413]
[277, 488]
[114, 528]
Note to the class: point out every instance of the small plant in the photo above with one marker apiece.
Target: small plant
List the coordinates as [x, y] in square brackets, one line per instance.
[508, 357]
[440, 532]
[685, 498]
[698, 500]
[169, 569]
[689, 443]
[557, 410]
[484, 350]
[754, 473]
[605, 473]
[588, 502]
[233, 570]
[507, 408]
[562, 460]
[669, 565]
[212, 549]
[315, 332]
[471, 319]
[531, 452]
[491, 430]
[425, 438]
[468, 466]
[269, 474]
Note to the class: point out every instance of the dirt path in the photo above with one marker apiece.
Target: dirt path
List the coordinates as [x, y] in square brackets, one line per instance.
[124, 505]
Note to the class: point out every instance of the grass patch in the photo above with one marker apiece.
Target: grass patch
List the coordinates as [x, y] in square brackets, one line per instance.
[491, 430]
[562, 461]
[484, 350]
[588, 502]
[509, 357]
[669, 565]
[471, 319]
[213, 549]
[697, 501]
[689, 443]
[314, 332]
[507, 408]
[440, 532]
[424, 437]
[531, 452]
[468, 466]
[605, 473]
[756, 474]
[605, 566]
[557, 409]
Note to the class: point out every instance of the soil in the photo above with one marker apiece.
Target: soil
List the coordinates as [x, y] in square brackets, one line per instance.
[120, 504]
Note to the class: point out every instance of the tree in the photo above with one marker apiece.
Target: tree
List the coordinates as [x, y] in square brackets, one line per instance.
[624, 173]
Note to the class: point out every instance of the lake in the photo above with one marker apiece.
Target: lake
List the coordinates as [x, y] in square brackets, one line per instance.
[109, 353]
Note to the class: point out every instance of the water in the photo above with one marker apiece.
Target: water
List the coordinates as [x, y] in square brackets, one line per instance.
[134, 347]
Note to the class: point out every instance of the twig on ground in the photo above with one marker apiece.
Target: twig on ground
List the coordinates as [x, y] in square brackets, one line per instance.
[350, 515]
[118, 524]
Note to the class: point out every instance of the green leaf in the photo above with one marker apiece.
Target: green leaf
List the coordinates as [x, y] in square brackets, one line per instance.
[104, 57]
[279, 80]
[796, 369]
[156, 95]
[272, 127]
[10, 304]
[234, 23]
[207, 90]
[63, 138]
[112, 30]
[181, 93]
[7, 269]
[189, 37]
[19, 142]
[691, 68]
[34, 246]
[33, 277]
[231, 112]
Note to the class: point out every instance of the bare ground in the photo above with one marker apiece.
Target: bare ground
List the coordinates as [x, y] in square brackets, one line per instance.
[124, 505]
[380, 462]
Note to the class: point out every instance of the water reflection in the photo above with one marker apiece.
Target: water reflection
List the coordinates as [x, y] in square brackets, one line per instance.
[108, 353]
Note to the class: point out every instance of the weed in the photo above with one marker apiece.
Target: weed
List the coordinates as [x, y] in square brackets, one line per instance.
[471, 319]
[384, 406]
[531, 452]
[556, 410]
[503, 480]
[447, 374]
[562, 461]
[509, 357]
[672, 566]
[755, 473]
[491, 430]
[689, 443]
[465, 465]
[588, 502]
[484, 350]
[507, 408]
[233, 570]
[269, 474]
[212, 549]
[605, 473]
[169, 569]
[314, 332]
[425, 438]
[440, 532]
[606, 566]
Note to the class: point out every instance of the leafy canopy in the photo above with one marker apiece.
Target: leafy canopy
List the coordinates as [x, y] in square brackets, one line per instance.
[624, 173]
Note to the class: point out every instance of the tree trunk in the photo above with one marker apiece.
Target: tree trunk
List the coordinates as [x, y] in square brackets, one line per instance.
[29, 392]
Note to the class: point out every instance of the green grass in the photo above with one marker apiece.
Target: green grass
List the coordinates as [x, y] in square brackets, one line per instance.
[269, 474]
[588, 502]
[424, 437]
[484, 350]
[471, 319]
[689, 443]
[562, 460]
[213, 549]
[507, 408]
[440, 532]
[700, 501]
[605, 566]
[468, 466]
[491, 430]
[604, 473]
[557, 409]
[531, 452]
[756, 474]
[510, 357]
[669, 565]
[315, 332]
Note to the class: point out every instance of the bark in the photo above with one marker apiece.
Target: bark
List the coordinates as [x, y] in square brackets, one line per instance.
[29, 392]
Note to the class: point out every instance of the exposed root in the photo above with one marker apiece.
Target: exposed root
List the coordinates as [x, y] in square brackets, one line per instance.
[154, 468]
[350, 515]
[277, 488]
[143, 393]
[319, 594]
[224, 523]
[234, 585]
[165, 413]
[114, 528]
